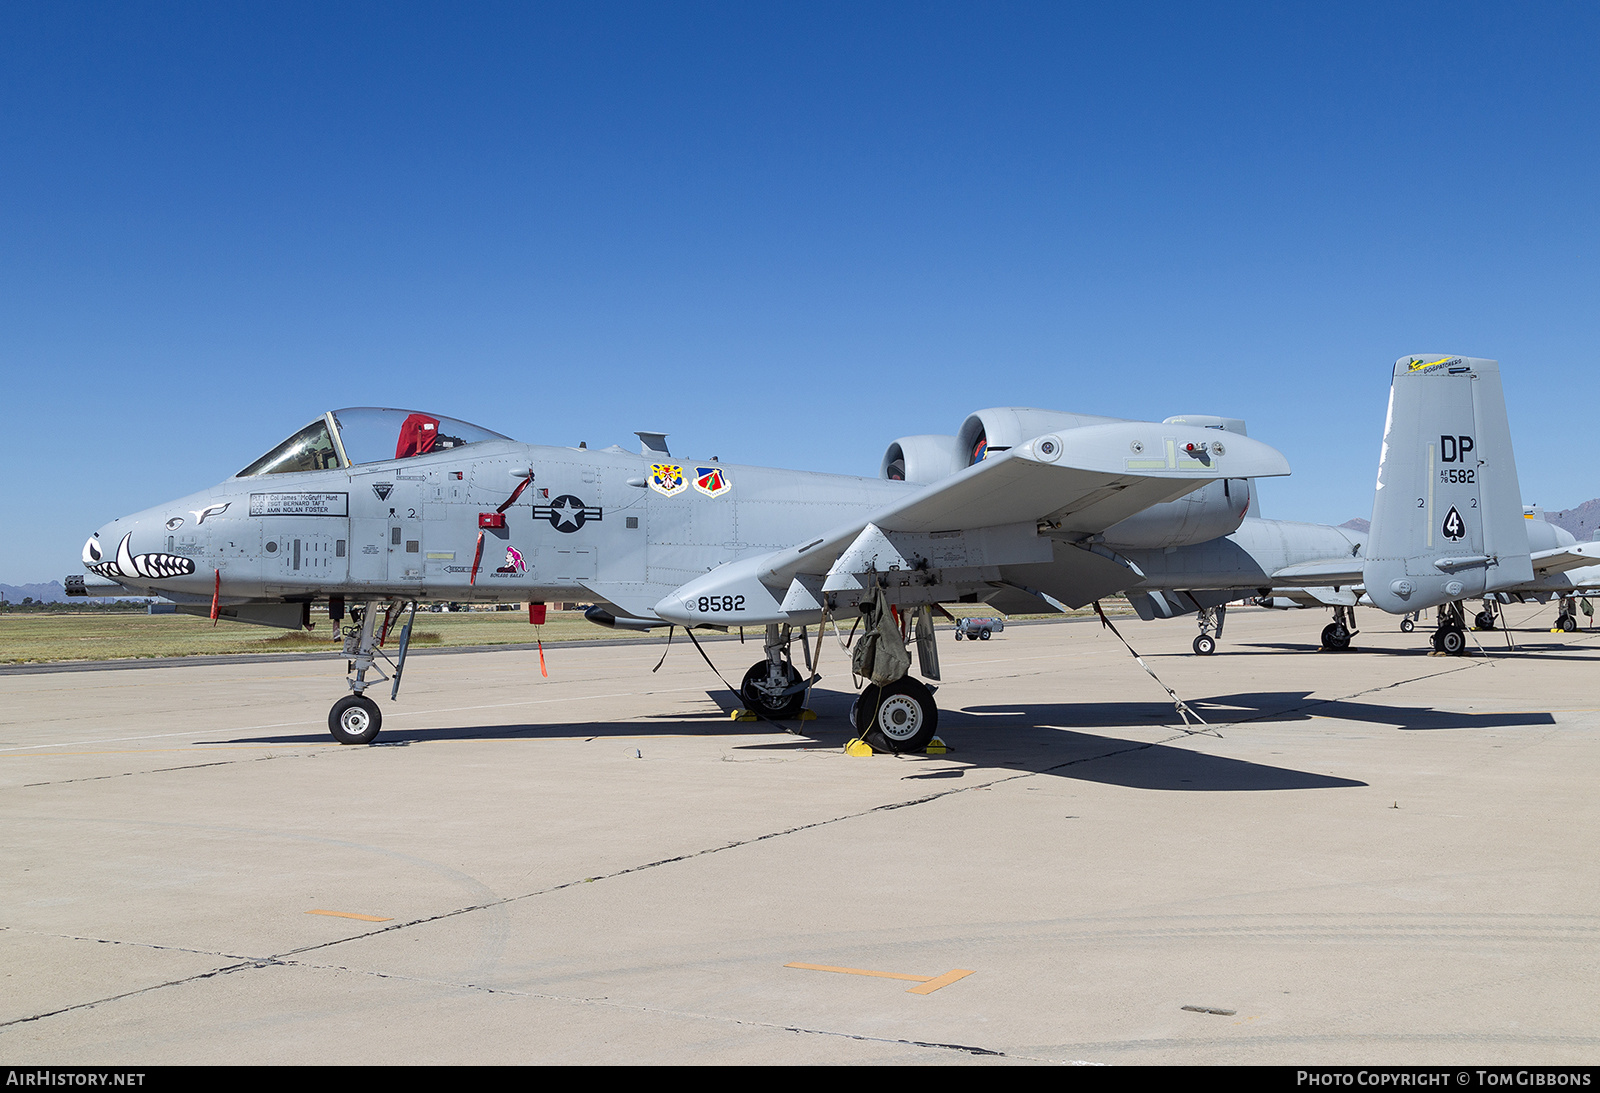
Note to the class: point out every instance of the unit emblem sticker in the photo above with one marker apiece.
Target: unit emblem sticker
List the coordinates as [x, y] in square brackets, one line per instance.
[567, 513]
[711, 481]
[668, 479]
[1454, 527]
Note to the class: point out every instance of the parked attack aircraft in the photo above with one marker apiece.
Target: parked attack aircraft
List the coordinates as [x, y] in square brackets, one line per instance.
[369, 510]
[1448, 523]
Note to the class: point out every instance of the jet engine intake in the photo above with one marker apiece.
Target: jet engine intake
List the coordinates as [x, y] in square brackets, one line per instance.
[922, 459]
[1004, 427]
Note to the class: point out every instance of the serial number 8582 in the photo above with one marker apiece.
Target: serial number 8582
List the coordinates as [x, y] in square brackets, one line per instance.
[707, 604]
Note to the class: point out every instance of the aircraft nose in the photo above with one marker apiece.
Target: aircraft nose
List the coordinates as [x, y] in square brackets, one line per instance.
[132, 548]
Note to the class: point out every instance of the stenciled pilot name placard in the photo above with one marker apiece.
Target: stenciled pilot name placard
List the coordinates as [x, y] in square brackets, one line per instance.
[299, 504]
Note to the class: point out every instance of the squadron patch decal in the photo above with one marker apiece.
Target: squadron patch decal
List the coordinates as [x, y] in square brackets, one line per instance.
[1454, 529]
[711, 481]
[668, 479]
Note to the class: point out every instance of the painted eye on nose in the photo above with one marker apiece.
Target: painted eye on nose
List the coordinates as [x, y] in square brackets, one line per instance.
[91, 550]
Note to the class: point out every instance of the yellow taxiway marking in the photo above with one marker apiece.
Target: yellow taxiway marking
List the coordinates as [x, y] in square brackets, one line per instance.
[927, 984]
[351, 914]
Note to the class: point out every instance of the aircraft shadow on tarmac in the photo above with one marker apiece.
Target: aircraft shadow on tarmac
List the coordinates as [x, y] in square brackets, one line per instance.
[1045, 738]
[1492, 643]
[1255, 707]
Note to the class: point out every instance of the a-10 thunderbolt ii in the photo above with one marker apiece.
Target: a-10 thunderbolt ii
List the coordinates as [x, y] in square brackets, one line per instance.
[1448, 523]
[368, 510]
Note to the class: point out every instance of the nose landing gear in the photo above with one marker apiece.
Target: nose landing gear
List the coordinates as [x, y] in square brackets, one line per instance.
[356, 719]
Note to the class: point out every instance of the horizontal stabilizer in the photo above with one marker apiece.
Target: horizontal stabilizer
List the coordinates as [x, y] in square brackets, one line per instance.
[1562, 559]
[1338, 571]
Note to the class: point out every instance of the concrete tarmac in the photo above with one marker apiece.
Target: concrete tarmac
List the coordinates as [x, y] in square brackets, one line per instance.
[1371, 857]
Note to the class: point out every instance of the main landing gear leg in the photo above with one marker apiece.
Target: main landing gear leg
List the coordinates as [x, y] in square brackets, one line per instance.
[356, 719]
[900, 716]
[1211, 620]
[1337, 634]
[1567, 619]
[1451, 635]
[1489, 617]
[773, 686]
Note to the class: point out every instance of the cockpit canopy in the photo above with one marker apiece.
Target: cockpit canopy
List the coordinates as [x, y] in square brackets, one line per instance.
[366, 434]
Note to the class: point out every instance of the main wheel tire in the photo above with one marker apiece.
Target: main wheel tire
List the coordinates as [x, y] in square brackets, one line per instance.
[1335, 636]
[1205, 645]
[758, 698]
[355, 719]
[1565, 621]
[899, 717]
[983, 635]
[1452, 641]
[1407, 625]
[958, 635]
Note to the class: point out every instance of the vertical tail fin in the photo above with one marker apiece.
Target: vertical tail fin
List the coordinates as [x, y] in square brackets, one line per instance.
[1447, 516]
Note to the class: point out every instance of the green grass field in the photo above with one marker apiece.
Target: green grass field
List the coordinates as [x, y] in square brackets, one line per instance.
[32, 638]
[104, 636]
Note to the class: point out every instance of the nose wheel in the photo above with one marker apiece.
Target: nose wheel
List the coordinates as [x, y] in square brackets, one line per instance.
[355, 719]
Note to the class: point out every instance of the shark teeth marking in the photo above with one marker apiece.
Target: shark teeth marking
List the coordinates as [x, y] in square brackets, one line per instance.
[155, 566]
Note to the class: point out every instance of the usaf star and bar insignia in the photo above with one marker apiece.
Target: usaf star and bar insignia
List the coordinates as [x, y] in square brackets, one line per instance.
[567, 513]
[670, 479]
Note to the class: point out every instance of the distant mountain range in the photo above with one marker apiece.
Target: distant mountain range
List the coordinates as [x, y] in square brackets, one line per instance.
[39, 593]
[50, 593]
[1583, 521]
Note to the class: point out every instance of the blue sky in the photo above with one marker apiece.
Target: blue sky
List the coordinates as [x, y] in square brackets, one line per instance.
[785, 234]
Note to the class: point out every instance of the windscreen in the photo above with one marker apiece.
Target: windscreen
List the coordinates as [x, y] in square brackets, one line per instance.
[311, 449]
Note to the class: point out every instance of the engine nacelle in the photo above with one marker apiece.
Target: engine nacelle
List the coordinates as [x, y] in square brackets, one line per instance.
[1210, 512]
[1004, 427]
[922, 459]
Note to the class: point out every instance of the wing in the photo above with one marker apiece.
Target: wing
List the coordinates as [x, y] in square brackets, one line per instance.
[951, 538]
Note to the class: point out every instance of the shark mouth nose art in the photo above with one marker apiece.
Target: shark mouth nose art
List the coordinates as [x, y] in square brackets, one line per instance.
[154, 566]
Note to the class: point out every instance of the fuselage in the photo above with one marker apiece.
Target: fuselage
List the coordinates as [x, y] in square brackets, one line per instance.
[475, 516]
[410, 528]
